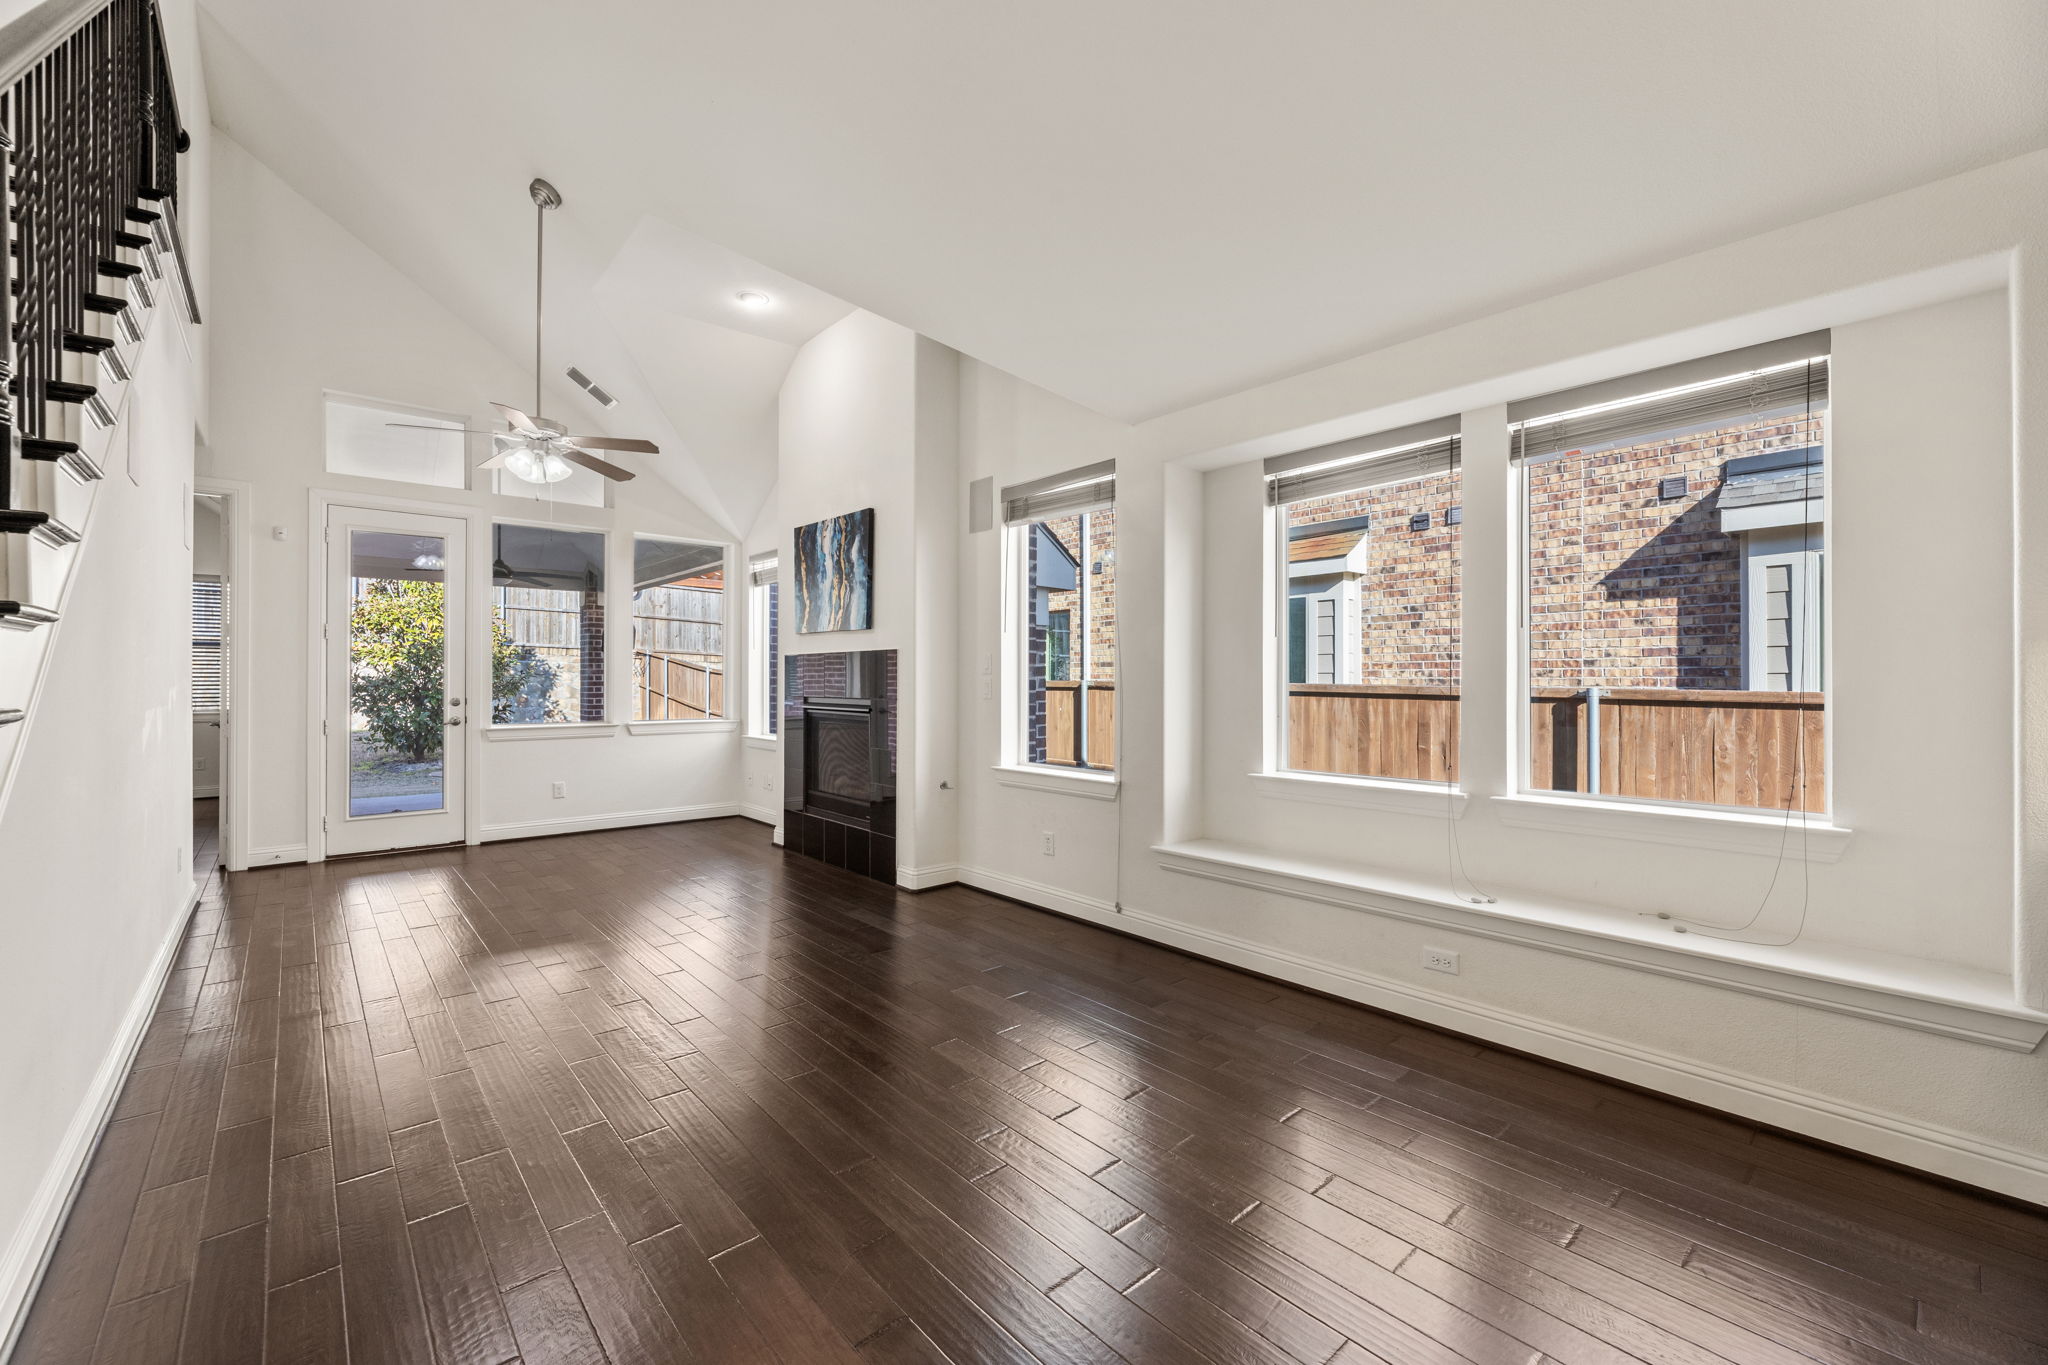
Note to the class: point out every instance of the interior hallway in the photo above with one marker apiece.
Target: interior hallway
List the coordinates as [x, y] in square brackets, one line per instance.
[663, 1094]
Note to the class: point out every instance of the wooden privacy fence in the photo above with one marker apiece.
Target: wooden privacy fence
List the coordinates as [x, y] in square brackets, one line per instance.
[1380, 731]
[1093, 705]
[674, 688]
[1721, 747]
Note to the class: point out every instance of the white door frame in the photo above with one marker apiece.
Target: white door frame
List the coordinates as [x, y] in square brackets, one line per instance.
[475, 654]
[234, 776]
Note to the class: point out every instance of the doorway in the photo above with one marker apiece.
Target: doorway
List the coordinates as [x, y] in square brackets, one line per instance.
[212, 702]
[395, 695]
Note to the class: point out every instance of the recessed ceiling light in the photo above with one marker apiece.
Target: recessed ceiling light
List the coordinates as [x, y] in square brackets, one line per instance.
[753, 298]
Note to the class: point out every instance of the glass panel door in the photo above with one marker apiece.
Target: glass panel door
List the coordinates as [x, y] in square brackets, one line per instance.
[395, 680]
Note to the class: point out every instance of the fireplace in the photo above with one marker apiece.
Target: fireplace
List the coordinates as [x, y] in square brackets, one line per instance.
[839, 783]
[839, 756]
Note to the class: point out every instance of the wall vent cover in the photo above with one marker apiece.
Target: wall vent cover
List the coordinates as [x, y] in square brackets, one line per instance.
[584, 382]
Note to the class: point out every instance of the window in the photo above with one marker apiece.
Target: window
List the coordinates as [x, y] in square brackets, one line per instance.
[363, 441]
[1368, 534]
[1063, 534]
[678, 630]
[1059, 636]
[1673, 612]
[547, 625]
[209, 653]
[764, 636]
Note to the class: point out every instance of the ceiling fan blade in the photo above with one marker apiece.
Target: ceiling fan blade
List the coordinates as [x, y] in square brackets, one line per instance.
[519, 420]
[496, 460]
[422, 426]
[604, 467]
[633, 444]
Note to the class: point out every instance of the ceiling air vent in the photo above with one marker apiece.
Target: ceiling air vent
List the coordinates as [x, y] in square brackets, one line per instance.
[583, 382]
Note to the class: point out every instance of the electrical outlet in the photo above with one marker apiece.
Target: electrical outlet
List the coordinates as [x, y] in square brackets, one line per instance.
[561, 790]
[1049, 850]
[1440, 960]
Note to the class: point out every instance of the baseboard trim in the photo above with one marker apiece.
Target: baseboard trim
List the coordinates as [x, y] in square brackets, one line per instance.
[767, 815]
[925, 878]
[531, 829]
[28, 1253]
[1927, 1147]
[1043, 897]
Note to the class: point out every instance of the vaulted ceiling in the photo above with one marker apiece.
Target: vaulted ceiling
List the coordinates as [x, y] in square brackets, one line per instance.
[1137, 204]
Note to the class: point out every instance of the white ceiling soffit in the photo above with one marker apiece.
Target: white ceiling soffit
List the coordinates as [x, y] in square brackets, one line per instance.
[1144, 204]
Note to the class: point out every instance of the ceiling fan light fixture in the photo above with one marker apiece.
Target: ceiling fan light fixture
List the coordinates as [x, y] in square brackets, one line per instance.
[538, 466]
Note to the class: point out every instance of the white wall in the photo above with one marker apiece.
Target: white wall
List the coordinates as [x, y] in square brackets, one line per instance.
[1940, 403]
[308, 309]
[95, 826]
[1013, 431]
[868, 418]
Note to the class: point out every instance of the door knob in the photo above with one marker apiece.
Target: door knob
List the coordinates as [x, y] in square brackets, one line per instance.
[456, 721]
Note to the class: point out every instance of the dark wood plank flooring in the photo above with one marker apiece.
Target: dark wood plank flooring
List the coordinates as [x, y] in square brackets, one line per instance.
[666, 1095]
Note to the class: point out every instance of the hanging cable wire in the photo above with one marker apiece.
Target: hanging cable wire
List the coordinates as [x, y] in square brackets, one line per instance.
[1795, 797]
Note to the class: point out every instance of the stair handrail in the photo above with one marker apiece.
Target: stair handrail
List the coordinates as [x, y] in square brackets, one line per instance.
[36, 34]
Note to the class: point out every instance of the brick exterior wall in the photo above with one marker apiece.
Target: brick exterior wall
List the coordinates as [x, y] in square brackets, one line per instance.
[590, 663]
[1626, 588]
[1408, 607]
[1101, 589]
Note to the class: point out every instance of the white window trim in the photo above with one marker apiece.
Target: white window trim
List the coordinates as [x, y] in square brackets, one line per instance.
[768, 742]
[567, 729]
[1956, 1002]
[710, 725]
[1800, 838]
[1431, 800]
[1581, 812]
[1096, 786]
[1011, 694]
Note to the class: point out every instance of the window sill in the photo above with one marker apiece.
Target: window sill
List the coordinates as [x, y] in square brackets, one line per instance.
[1094, 786]
[762, 742]
[681, 727]
[1763, 833]
[1931, 997]
[1371, 793]
[582, 729]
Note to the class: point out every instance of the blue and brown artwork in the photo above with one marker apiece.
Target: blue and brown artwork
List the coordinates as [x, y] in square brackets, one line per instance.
[835, 573]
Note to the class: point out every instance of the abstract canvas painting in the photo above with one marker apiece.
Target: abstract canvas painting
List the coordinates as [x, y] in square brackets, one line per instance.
[835, 573]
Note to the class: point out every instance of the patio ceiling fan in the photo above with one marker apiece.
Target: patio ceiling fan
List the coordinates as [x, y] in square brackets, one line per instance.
[538, 449]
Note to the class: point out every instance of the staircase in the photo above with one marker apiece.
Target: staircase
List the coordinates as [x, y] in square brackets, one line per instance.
[89, 146]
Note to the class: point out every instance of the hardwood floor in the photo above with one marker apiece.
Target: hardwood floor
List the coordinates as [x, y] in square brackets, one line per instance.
[666, 1095]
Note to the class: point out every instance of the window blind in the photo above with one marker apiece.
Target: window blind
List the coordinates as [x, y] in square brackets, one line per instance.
[1758, 381]
[209, 674]
[1078, 490]
[1413, 452]
[763, 568]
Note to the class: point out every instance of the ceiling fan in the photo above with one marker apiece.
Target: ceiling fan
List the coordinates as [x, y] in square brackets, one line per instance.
[538, 449]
